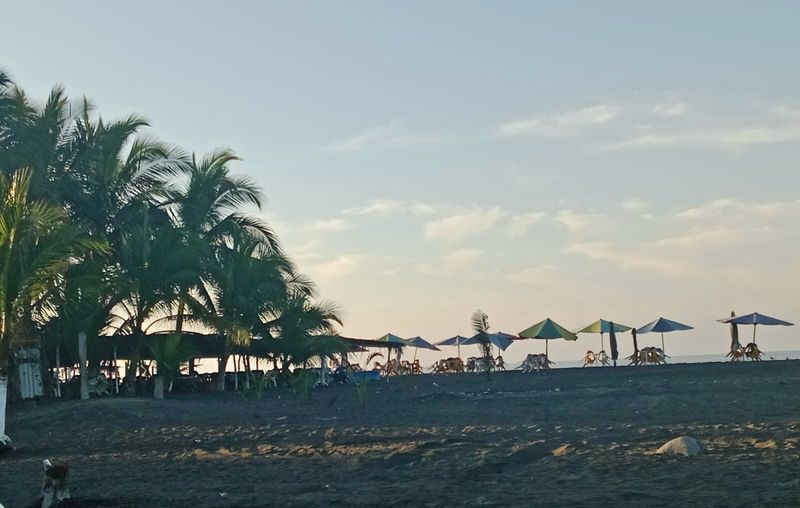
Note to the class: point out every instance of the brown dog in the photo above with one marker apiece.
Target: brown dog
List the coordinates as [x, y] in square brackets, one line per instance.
[54, 487]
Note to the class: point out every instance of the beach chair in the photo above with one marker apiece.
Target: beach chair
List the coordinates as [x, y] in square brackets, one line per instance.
[751, 352]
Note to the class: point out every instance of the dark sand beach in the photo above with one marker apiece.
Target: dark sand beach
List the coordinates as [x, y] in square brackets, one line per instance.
[433, 441]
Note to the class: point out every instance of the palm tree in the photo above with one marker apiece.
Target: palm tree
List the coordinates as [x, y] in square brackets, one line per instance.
[304, 329]
[151, 265]
[480, 325]
[179, 241]
[37, 244]
[95, 168]
[102, 174]
[114, 171]
[205, 204]
[246, 280]
[169, 352]
[209, 200]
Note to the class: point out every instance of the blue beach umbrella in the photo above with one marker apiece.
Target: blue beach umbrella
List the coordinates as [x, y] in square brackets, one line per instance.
[499, 339]
[420, 343]
[457, 341]
[755, 319]
[662, 326]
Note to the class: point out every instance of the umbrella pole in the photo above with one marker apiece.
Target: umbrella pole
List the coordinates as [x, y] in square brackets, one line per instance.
[662, 343]
[459, 349]
[546, 348]
[754, 333]
[602, 346]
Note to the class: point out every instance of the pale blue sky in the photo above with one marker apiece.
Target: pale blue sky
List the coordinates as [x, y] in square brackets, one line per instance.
[575, 160]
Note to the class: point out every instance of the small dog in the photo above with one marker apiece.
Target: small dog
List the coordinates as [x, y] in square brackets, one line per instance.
[54, 488]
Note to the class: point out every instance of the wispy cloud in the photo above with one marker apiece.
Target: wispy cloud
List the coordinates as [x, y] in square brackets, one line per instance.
[540, 276]
[520, 224]
[635, 205]
[670, 109]
[575, 221]
[560, 124]
[463, 225]
[454, 263]
[390, 134]
[786, 112]
[708, 238]
[733, 139]
[325, 226]
[727, 206]
[629, 258]
[337, 267]
[389, 206]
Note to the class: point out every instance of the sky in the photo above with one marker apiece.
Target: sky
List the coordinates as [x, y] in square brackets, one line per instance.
[573, 160]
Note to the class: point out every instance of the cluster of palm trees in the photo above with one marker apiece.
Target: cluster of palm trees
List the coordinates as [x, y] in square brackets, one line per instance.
[107, 231]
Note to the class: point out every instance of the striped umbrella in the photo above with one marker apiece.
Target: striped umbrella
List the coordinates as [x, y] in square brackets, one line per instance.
[547, 329]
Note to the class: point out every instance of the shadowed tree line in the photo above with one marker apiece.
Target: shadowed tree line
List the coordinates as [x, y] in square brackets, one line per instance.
[105, 230]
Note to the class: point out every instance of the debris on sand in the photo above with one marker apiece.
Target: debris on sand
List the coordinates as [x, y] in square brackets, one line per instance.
[684, 445]
[766, 445]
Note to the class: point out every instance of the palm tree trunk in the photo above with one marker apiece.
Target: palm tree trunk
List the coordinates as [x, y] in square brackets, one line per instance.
[158, 387]
[179, 330]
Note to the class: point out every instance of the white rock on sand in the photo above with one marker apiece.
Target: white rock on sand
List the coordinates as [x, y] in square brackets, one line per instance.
[686, 446]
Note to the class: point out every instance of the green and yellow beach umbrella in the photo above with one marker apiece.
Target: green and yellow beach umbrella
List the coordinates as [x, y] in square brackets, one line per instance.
[547, 329]
[602, 326]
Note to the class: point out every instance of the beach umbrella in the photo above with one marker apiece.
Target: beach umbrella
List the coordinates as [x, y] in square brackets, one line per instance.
[602, 327]
[612, 339]
[547, 329]
[420, 343]
[457, 341]
[391, 338]
[499, 339]
[735, 345]
[662, 326]
[755, 319]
